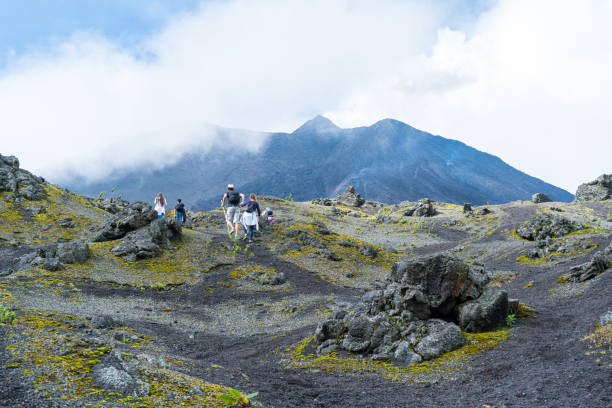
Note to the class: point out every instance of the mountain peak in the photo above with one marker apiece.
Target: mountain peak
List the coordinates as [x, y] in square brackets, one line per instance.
[319, 123]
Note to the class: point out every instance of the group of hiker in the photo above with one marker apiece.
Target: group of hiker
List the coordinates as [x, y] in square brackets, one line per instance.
[179, 210]
[248, 220]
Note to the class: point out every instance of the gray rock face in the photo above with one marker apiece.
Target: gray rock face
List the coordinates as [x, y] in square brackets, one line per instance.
[412, 317]
[52, 264]
[148, 242]
[540, 198]
[485, 313]
[596, 190]
[136, 215]
[73, 252]
[546, 225]
[112, 205]
[424, 208]
[591, 269]
[350, 198]
[20, 182]
[441, 338]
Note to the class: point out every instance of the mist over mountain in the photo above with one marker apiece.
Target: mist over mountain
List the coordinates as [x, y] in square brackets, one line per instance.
[389, 161]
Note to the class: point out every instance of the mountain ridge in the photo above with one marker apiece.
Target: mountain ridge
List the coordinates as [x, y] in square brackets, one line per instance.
[389, 161]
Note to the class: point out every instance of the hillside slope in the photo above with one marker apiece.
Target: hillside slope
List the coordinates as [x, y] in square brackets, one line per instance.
[387, 162]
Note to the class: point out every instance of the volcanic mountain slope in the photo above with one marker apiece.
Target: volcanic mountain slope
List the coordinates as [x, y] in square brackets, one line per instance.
[388, 162]
[166, 330]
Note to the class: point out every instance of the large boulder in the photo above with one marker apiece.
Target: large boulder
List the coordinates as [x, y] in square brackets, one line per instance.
[414, 315]
[598, 189]
[350, 198]
[136, 215]
[485, 313]
[540, 198]
[73, 252]
[120, 381]
[423, 208]
[546, 225]
[148, 242]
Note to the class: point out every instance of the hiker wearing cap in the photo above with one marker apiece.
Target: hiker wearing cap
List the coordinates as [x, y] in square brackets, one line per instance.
[232, 213]
[251, 216]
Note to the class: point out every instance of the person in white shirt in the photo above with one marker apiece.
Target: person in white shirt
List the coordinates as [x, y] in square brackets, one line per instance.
[160, 205]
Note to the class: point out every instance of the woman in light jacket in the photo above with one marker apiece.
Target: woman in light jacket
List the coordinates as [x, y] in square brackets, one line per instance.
[160, 205]
[250, 216]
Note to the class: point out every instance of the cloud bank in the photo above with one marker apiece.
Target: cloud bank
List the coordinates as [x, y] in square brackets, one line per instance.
[527, 81]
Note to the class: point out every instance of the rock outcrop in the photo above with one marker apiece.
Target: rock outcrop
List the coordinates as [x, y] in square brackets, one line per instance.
[134, 216]
[148, 242]
[591, 269]
[546, 225]
[596, 190]
[350, 198]
[51, 256]
[20, 182]
[413, 317]
[423, 208]
[540, 198]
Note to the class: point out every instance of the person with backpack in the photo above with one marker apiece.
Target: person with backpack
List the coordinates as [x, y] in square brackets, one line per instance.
[160, 205]
[251, 216]
[180, 211]
[232, 213]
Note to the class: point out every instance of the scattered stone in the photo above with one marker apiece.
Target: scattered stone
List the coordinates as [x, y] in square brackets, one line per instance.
[423, 208]
[103, 322]
[540, 198]
[483, 211]
[589, 270]
[597, 190]
[136, 215]
[350, 198]
[557, 209]
[546, 225]
[52, 264]
[368, 251]
[125, 337]
[118, 380]
[66, 223]
[322, 201]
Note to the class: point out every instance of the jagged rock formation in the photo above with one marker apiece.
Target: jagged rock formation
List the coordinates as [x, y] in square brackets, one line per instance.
[423, 208]
[51, 256]
[596, 190]
[545, 225]
[20, 182]
[136, 215]
[350, 198]
[112, 205]
[412, 318]
[148, 242]
[591, 269]
[540, 198]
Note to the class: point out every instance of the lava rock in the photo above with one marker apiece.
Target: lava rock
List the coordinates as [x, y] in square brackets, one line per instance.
[606, 318]
[405, 354]
[118, 380]
[52, 264]
[73, 252]
[597, 190]
[589, 270]
[441, 338]
[423, 208]
[540, 198]
[368, 251]
[467, 208]
[21, 183]
[485, 313]
[148, 242]
[103, 322]
[350, 198]
[136, 215]
[329, 329]
[546, 225]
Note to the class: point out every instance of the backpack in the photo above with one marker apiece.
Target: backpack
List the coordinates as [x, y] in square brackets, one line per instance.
[250, 207]
[233, 197]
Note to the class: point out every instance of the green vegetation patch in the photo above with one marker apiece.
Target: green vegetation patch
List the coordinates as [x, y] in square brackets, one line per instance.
[297, 356]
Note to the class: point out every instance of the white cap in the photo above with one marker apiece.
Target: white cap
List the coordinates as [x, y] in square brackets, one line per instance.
[230, 186]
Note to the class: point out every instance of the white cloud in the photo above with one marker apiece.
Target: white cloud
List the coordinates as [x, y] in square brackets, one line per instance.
[530, 84]
[527, 81]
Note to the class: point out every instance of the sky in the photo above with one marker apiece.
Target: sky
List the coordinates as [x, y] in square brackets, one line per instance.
[91, 87]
